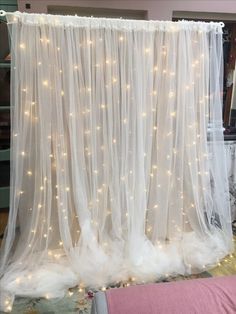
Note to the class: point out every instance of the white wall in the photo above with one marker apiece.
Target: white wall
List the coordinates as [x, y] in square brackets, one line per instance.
[157, 10]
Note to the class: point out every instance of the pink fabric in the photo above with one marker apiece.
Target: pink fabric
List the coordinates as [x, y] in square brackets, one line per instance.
[198, 296]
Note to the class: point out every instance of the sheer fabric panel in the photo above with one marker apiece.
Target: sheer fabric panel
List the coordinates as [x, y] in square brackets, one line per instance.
[118, 165]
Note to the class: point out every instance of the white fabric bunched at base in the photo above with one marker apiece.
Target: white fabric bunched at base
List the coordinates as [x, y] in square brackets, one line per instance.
[118, 165]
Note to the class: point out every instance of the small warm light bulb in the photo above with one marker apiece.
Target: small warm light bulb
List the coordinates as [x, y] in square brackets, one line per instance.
[45, 83]
[62, 93]
[67, 189]
[22, 46]
[121, 38]
[23, 153]
[29, 173]
[128, 86]
[114, 141]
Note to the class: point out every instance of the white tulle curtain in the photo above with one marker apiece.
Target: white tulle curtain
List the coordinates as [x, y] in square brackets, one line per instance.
[118, 166]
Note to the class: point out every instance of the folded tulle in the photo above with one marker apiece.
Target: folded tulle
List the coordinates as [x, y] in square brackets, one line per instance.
[94, 265]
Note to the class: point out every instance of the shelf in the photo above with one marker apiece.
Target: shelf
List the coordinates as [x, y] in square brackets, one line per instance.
[5, 107]
[4, 196]
[5, 65]
[4, 155]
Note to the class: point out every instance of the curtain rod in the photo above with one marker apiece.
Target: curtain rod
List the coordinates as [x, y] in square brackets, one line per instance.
[4, 13]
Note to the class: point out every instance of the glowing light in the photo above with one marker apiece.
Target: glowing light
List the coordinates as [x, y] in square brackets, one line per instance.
[29, 173]
[22, 46]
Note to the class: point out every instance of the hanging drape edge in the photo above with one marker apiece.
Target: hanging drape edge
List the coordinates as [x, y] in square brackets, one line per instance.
[120, 24]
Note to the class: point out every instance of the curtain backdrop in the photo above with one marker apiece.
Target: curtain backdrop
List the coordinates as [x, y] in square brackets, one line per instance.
[118, 167]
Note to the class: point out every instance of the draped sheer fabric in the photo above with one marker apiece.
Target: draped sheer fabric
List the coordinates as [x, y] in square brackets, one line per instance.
[118, 163]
